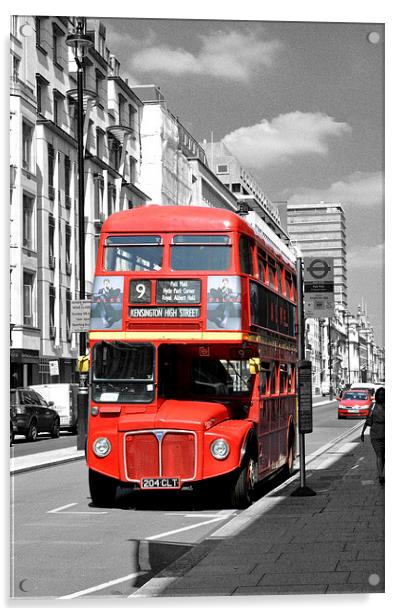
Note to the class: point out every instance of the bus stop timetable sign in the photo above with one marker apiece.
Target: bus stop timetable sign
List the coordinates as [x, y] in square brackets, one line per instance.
[318, 287]
[305, 396]
[80, 315]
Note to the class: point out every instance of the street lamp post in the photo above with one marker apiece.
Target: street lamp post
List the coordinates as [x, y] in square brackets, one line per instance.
[349, 349]
[80, 42]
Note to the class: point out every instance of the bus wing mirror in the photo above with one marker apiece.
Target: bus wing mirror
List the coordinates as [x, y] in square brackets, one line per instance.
[254, 365]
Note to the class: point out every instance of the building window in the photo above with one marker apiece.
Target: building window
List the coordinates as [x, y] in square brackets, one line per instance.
[68, 243]
[27, 226]
[99, 191]
[121, 109]
[14, 25]
[38, 27]
[51, 240]
[52, 304]
[15, 67]
[222, 168]
[102, 40]
[50, 161]
[114, 152]
[67, 175]
[27, 137]
[29, 280]
[56, 45]
[132, 117]
[68, 297]
[99, 143]
[39, 97]
[132, 169]
[56, 108]
[111, 199]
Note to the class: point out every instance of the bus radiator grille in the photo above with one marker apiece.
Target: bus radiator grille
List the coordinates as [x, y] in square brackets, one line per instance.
[172, 456]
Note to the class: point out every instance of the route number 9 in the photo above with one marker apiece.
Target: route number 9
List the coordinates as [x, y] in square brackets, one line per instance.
[140, 292]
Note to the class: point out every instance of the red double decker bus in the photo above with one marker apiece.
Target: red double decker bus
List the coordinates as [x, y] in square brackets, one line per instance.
[192, 353]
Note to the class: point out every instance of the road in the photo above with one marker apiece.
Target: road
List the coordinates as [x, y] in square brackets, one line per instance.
[64, 548]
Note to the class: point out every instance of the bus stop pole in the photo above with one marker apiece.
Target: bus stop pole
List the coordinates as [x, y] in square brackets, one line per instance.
[302, 490]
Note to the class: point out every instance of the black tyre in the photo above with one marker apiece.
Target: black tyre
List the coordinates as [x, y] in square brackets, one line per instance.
[102, 489]
[243, 485]
[11, 434]
[55, 431]
[32, 433]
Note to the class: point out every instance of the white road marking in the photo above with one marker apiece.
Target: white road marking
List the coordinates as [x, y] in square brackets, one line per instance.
[202, 515]
[87, 591]
[181, 530]
[61, 510]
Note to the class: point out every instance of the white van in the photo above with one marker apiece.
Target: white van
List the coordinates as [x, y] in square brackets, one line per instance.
[65, 398]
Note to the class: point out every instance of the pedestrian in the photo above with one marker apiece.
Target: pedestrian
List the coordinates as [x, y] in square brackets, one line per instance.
[375, 421]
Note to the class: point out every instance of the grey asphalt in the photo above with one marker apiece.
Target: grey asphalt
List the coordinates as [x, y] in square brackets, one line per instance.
[332, 542]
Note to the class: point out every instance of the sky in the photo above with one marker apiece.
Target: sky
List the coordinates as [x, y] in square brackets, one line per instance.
[300, 104]
[295, 90]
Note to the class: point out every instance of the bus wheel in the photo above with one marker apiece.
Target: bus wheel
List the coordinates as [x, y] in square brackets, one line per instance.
[289, 465]
[102, 489]
[242, 488]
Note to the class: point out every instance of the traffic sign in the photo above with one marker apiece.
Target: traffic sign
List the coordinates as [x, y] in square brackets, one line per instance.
[305, 423]
[53, 367]
[80, 315]
[318, 287]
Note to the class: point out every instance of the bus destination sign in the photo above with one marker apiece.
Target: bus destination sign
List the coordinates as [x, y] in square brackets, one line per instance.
[178, 292]
[162, 312]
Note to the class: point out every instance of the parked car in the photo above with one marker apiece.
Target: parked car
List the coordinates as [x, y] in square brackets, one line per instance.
[325, 388]
[13, 424]
[32, 414]
[355, 403]
[65, 399]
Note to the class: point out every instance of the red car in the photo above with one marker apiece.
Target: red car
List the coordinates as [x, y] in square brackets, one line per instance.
[354, 403]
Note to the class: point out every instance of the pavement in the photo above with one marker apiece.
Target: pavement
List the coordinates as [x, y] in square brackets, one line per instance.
[332, 542]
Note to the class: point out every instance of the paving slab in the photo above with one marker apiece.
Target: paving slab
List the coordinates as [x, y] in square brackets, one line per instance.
[330, 543]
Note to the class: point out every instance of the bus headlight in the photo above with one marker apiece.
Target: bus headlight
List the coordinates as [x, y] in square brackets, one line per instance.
[220, 449]
[101, 447]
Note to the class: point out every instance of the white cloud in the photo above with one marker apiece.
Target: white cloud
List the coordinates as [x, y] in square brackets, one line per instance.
[366, 257]
[228, 55]
[286, 136]
[358, 189]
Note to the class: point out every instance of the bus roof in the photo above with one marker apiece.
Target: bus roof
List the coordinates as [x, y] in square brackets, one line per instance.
[155, 218]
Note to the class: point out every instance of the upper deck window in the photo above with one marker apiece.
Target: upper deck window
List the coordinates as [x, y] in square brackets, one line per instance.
[245, 254]
[134, 253]
[201, 252]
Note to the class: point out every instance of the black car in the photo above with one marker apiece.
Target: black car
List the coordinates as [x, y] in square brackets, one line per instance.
[31, 414]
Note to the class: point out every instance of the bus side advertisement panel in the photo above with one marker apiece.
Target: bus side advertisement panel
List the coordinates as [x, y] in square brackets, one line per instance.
[224, 302]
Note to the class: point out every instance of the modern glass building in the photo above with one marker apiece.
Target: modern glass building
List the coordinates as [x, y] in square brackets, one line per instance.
[318, 229]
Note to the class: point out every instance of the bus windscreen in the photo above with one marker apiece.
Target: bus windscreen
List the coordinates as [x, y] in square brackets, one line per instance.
[135, 253]
[200, 253]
